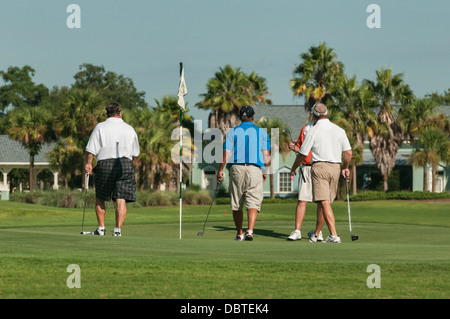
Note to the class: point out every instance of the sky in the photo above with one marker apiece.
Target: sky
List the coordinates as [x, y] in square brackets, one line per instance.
[146, 40]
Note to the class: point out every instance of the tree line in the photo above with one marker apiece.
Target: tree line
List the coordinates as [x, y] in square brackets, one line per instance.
[384, 110]
[33, 114]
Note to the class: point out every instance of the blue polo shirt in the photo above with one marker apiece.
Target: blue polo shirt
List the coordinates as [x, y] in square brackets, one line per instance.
[247, 142]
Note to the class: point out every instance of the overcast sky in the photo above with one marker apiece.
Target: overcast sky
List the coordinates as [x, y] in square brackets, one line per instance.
[146, 39]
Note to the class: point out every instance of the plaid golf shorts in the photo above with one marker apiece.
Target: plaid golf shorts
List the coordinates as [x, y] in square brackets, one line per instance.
[114, 178]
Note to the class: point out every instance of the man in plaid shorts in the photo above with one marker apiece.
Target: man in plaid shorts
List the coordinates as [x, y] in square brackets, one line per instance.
[114, 143]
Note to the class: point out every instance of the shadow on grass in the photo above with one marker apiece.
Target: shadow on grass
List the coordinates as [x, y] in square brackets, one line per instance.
[256, 231]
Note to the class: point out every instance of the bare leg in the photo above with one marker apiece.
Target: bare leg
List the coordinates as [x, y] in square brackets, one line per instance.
[320, 219]
[238, 218]
[100, 211]
[121, 212]
[299, 214]
[329, 216]
[252, 213]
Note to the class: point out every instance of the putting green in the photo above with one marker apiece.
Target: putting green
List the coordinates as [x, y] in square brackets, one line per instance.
[150, 261]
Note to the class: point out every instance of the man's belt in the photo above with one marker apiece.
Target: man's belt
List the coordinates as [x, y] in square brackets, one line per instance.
[245, 164]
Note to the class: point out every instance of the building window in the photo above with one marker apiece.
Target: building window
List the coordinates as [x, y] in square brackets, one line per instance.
[284, 182]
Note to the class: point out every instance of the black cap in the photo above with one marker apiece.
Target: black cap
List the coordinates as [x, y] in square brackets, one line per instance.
[246, 111]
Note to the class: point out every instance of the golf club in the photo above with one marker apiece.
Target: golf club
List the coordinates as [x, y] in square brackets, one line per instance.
[86, 186]
[354, 237]
[202, 233]
[287, 130]
[292, 141]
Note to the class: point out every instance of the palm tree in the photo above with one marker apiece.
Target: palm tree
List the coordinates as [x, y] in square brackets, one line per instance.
[154, 127]
[29, 125]
[435, 147]
[416, 116]
[140, 119]
[387, 135]
[169, 105]
[64, 157]
[356, 117]
[319, 76]
[426, 126]
[227, 92]
[260, 88]
[282, 145]
[75, 119]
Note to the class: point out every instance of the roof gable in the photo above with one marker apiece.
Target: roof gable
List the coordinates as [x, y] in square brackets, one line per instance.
[12, 151]
[294, 116]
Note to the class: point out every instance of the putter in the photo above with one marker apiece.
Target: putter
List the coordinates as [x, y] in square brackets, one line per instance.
[354, 237]
[287, 130]
[202, 233]
[86, 186]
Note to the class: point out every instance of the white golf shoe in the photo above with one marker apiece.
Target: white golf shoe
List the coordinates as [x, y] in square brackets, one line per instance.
[333, 239]
[313, 238]
[295, 235]
[99, 232]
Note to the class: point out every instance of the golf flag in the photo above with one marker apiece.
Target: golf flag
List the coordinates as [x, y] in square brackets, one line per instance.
[182, 90]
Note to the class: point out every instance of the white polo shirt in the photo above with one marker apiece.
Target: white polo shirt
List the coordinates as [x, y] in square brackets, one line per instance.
[113, 138]
[326, 141]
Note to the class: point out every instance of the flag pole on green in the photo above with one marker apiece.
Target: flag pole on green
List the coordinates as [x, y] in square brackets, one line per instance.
[182, 91]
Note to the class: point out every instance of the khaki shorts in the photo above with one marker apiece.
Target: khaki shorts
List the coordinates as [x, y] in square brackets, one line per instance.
[246, 186]
[305, 184]
[325, 178]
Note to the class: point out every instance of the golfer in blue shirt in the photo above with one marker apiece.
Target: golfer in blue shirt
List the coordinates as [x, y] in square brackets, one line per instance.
[247, 152]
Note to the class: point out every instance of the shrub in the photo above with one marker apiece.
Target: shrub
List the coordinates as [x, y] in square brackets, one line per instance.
[400, 195]
[189, 197]
[76, 198]
[203, 198]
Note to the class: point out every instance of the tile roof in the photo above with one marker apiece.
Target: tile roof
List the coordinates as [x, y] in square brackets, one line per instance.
[12, 151]
[294, 116]
[445, 109]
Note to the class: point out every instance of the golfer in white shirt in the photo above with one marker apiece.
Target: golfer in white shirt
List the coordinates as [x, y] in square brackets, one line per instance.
[327, 142]
[114, 143]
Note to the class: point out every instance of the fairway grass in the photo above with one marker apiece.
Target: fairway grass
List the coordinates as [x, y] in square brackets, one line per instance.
[409, 241]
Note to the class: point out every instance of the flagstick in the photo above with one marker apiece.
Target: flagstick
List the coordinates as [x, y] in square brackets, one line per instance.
[181, 165]
[181, 156]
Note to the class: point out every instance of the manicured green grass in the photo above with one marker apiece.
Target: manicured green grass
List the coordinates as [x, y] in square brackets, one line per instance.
[410, 241]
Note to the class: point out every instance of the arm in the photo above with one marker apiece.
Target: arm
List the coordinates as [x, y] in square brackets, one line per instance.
[225, 157]
[267, 162]
[298, 160]
[88, 165]
[346, 163]
[293, 147]
[304, 144]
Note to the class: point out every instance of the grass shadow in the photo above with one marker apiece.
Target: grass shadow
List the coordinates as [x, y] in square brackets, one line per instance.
[256, 231]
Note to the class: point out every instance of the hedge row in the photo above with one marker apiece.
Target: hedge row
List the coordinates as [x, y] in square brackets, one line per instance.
[402, 195]
[75, 198]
